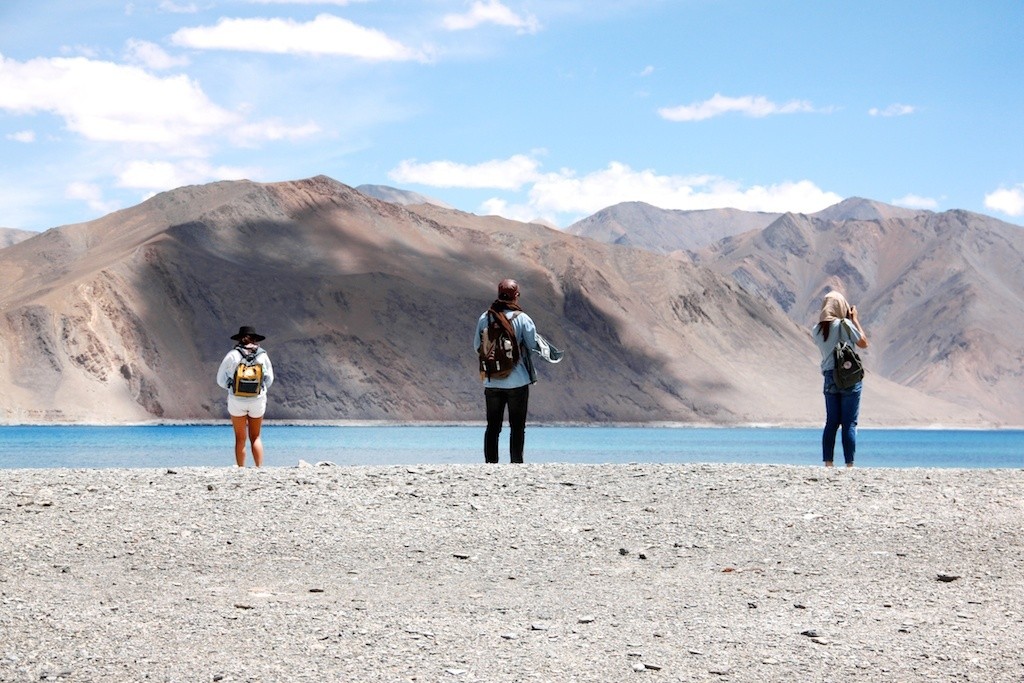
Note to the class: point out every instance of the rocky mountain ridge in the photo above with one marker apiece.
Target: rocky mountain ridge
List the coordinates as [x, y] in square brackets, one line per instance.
[941, 294]
[368, 307]
[666, 231]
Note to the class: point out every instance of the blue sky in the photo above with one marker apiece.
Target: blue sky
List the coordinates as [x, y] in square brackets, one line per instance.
[549, 109]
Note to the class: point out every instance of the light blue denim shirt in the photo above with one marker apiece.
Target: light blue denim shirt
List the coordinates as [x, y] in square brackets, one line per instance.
[849, 333]
[526, 333]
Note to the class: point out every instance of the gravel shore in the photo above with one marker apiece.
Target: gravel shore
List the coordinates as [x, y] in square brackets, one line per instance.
[462, 573]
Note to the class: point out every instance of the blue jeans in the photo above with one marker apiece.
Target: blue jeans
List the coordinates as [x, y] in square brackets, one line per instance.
[842, 408]
[517, 400]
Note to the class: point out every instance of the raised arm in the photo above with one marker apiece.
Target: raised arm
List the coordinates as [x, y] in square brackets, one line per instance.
[863, 341]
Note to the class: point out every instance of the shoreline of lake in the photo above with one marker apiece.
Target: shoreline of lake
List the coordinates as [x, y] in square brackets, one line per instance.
[531, 424]
[211, 445]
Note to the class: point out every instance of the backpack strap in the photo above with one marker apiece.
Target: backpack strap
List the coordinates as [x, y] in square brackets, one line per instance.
[491, 313]
[845, 327]
[249, 357]
[499, 317]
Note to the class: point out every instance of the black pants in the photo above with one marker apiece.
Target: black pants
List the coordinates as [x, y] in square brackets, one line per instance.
[517, 400]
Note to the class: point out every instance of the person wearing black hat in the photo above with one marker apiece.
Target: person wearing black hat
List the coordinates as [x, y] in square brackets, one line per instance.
[509, 386]
[246, 372]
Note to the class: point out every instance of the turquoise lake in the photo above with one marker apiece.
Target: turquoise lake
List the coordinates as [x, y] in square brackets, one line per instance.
[286, 445]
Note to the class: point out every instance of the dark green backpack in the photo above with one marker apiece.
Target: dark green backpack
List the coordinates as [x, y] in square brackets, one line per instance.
[849, 368]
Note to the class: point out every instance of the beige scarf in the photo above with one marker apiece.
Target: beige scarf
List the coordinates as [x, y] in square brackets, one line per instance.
[834, 307]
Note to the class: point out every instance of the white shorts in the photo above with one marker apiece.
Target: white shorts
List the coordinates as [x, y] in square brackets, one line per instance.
[253, 406]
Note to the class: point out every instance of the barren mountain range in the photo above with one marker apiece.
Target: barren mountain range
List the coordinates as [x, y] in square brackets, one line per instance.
[941, 294]
[369, 307]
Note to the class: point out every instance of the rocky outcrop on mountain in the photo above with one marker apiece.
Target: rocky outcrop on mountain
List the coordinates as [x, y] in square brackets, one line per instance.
[369, 307]
[666, 231]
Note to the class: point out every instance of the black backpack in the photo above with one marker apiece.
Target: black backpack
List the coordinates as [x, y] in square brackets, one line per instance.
[499, 353]
[849, 368]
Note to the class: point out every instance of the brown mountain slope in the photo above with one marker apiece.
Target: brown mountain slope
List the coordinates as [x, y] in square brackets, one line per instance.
[666, 231]
[369, 309]
[941, 295]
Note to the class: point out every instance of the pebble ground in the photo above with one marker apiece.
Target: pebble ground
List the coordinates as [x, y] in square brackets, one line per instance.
[462, 573]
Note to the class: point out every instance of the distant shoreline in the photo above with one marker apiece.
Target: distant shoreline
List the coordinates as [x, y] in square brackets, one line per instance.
[539, 425]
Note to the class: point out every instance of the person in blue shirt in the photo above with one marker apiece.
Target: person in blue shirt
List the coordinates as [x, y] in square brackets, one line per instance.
[511, 391]
[838, 321]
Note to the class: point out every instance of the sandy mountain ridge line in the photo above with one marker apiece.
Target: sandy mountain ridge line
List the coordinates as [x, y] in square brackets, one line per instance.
[121, 318]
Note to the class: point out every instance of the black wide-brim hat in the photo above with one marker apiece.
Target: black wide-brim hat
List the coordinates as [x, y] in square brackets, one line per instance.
[247, 331]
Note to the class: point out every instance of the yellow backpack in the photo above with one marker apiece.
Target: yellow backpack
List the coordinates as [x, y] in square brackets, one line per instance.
[248, 375]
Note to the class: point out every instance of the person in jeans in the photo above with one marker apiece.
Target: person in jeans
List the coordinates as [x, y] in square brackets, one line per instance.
[837, 322]
[511, 392]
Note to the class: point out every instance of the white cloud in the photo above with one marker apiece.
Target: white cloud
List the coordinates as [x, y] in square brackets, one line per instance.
[151, 55]
[92, 195]
[913, 201]
[500, 207]
[272, 130]
[491, 12]
[25, 136]
[78, 51]
[178, 8]
[324, 35]
[646, 71]
[166, 175]
[502, 174]
[565, 194]
[1007, 200]
[893, 110]
[107, 102]
[754, 106]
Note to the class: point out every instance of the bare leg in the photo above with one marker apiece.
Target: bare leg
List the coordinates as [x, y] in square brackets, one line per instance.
[255, 423]
[828, 463]
[239, 424]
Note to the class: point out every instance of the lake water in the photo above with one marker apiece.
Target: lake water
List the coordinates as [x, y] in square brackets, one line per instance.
[285, 445]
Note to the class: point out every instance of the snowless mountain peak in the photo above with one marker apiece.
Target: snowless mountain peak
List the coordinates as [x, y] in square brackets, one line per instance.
[860, 209]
